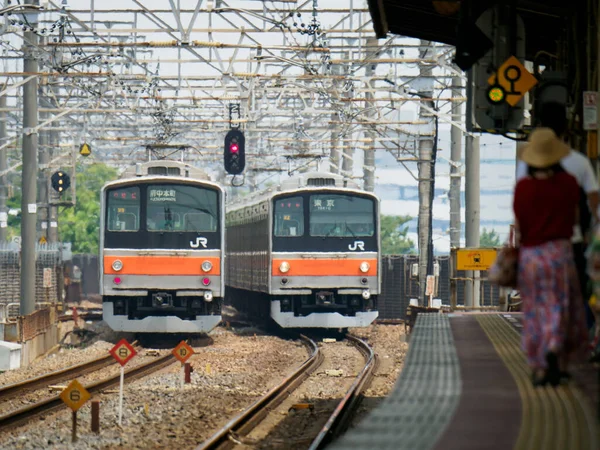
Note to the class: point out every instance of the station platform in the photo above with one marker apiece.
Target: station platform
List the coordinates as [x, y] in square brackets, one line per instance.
[466, 385]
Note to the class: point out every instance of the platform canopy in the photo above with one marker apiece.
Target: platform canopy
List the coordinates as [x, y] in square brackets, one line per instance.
[545, 20]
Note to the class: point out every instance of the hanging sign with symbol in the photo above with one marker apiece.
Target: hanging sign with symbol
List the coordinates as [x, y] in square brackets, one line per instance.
[123, 352]
[475, 258]
[182, 352]
[510, 83]
[85, 149]
[75, 395]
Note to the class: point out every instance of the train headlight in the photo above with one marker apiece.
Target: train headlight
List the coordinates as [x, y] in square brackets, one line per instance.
[206, 266]
[117, 265]
[364, 267]
[284, 267]
[366, 294]
[208, 296]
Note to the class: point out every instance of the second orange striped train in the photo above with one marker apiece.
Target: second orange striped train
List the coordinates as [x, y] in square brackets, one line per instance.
[305, 254]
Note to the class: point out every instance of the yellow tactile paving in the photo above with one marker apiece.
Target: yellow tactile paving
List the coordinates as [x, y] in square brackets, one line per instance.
[552, 418]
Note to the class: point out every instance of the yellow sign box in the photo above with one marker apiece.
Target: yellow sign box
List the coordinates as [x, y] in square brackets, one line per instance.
[514, 78]
[475, 258]
[75, 395]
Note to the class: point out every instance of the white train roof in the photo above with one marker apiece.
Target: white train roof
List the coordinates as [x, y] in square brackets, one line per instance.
[304, 181]
[165, 168]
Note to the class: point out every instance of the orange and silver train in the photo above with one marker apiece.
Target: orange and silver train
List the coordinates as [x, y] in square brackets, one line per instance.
[162, 240]
[305, 254]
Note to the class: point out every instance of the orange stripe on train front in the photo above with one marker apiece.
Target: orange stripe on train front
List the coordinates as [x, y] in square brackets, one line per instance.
[324, 267]
[161, 265]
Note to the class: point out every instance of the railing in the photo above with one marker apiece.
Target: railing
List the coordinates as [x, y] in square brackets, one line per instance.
[491, 297]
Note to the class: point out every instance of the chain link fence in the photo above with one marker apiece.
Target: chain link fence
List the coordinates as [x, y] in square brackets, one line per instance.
[400, 284]
[49, 277]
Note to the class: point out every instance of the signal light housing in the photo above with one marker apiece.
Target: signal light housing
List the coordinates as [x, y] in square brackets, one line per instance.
[234, 152]
[60, 181]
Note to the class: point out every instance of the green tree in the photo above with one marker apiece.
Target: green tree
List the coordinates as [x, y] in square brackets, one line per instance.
[489, 238]
[393, 236]
[80, 225]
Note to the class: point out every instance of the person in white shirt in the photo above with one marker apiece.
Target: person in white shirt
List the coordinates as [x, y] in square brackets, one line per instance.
[554, 115]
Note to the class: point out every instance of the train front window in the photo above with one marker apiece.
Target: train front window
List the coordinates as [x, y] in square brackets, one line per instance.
[180, 208]
[341, 215]
[123, 209]
[289, 217]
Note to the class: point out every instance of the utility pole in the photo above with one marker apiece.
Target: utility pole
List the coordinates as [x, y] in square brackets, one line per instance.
[43, 160]
[472, 214]
[53, 150]
[425, 170]
[29, 172]
[348, 150]
[334, 159]
[369, 153]
[455, 166]
[3, 178]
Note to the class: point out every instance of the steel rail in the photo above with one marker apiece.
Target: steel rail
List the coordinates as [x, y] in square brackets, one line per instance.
[11, 390]
[251, 417]
[340, 419]
[28, 413]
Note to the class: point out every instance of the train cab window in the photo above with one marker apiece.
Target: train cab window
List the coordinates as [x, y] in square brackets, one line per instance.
[341, 216]
[123, 209]
[180, 208]
[289, 217]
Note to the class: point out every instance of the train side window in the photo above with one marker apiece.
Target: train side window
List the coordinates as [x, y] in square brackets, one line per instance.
[289, 217]
[123, 209]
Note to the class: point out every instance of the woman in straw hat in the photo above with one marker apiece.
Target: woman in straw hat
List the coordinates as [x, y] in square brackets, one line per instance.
[545, 205]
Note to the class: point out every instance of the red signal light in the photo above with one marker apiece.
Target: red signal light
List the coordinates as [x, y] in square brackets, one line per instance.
[234, 148]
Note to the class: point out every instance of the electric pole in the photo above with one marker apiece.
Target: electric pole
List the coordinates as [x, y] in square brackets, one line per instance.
[30, 168]
[4, 177]
[455, 166]
[425, 170]
[472, 214]
[369, 153]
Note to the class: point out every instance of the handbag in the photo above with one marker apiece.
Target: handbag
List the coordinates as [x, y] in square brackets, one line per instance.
[505, 268]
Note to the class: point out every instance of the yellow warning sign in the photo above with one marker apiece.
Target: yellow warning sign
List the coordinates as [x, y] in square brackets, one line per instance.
[514, 79]
[85, 150]
[183, 351]
[475, 258]
[75, 395]
[43, 240]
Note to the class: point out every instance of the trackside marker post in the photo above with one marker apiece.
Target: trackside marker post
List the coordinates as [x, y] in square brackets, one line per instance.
[75, 396]
[183, 352]
[122, 352]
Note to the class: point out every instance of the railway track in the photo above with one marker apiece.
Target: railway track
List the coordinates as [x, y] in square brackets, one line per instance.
[336, 423]
[340, 419]
[43, 381]
[30, 412]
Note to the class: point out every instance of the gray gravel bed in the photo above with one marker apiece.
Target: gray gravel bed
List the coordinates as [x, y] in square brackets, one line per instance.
[31, 397]
[288, 428]
[228, 376]
[56, 361]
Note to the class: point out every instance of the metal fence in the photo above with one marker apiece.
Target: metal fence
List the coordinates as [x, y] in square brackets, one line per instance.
[48, 279]
[399, 286]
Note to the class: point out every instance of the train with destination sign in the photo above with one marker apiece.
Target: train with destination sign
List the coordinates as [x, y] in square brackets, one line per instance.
[305, 254]
[162, 237]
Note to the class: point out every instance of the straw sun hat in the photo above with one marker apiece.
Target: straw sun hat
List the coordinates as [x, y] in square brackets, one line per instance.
[544, 149]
